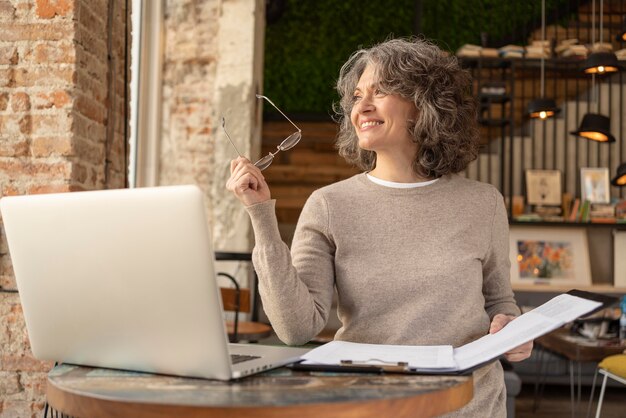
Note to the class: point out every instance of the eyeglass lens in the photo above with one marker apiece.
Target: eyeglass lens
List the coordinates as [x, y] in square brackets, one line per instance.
[287, 144]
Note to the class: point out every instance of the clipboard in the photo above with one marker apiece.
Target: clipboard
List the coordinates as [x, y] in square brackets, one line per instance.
[383, 369]
[580, 309]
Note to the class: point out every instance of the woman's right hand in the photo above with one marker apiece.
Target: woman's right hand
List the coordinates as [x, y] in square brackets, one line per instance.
[247, 182]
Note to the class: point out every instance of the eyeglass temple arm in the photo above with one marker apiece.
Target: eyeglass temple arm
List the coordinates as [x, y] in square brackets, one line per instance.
[228, 136]
[260, 96]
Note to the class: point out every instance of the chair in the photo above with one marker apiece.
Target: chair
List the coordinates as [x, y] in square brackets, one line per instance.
[613, 367]
[237, 300]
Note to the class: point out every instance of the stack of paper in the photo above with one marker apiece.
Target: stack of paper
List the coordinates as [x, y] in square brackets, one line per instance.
[444, 359]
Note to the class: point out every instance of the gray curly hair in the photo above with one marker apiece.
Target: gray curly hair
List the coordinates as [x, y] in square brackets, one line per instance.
[445, 129]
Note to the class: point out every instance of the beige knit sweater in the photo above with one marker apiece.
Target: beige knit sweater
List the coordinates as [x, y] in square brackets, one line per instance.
[419, 266]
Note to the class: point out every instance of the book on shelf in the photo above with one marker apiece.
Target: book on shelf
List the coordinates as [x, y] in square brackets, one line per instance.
[574, 212]
[584, 211]
[602, 213]
[470, 50]
[511, 51]
[566, 205]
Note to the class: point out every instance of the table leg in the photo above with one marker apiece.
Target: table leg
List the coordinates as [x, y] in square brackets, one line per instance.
[571, 386]
[593, 389]
[578, 364]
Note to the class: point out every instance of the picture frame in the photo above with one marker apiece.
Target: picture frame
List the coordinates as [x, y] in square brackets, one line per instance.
[543, 187]
[556, 256]
[594, 185]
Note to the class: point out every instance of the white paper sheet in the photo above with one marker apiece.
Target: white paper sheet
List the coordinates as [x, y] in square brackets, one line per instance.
[438, 356]
[541, 320]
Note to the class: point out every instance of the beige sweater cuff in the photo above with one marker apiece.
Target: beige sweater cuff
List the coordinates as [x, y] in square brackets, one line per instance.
[264, 222]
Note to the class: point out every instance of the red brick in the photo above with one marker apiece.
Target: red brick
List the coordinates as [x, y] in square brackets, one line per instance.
[20, 102]
[43, 76]
[47, 9]
[7, 10]
[4, 101]
[8, 55]
[59, 123]
[91, 109]
[14, 148]
[51, 146]
[58, 99]
[9, 383]
[11, 32]
[7, 77]
[24, 362]
[18, 167]
[94, 88]
[89, 151]
[51, 53]
[9, 190]
[34, 384]
[53, 188]
[7, 281]
[26, 124]
[94, 22]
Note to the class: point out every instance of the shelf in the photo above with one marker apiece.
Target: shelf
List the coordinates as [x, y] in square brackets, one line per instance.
[620, 226]
[548, 288]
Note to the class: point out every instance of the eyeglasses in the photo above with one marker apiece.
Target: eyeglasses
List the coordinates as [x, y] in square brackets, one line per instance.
[287, 144]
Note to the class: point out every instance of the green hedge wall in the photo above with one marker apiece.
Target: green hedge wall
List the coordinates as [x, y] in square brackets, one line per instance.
[307, 45]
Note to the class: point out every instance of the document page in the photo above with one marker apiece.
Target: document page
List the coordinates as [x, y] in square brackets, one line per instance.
[522, 329]
[541, 320]
[437, 356]
[551, 315]
[566, 308]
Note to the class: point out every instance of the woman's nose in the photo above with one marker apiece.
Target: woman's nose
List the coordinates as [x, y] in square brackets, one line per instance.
[365, 105]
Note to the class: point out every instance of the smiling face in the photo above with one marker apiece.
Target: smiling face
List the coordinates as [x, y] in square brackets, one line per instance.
[381, 120]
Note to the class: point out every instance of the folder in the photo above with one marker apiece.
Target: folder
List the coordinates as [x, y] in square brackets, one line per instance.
[342, 356]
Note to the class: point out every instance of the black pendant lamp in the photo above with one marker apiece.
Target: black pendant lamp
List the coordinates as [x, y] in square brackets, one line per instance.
[600, 62]
[595, 127]
[620, 179]
[543, 107]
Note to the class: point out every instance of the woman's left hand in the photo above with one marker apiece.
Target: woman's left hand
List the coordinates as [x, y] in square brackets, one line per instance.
[520, 352]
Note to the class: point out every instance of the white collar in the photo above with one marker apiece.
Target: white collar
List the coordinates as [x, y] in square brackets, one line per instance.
[397, 185]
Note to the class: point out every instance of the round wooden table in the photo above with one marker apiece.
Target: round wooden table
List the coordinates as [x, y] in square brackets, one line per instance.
[88, 392]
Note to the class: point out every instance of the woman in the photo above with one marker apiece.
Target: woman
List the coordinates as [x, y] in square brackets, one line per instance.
[418, 254]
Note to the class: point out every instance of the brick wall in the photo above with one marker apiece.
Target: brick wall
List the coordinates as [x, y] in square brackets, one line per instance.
[63, 124]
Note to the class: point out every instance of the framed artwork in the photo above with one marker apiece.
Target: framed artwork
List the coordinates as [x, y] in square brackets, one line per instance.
[594, 185]
[558, 256]
[543, 187]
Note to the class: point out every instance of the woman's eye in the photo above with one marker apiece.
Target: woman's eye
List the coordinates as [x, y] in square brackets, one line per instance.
[356, 98]
[379, 92]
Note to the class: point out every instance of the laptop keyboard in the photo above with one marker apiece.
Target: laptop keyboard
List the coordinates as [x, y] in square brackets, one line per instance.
[240, 358]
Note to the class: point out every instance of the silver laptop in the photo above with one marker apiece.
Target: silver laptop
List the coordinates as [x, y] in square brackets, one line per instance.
[125, 279]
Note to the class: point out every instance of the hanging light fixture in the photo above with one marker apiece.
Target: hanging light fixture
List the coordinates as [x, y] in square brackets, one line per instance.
[601, 62]
[594, 126]
[620, 178]
[543, 107]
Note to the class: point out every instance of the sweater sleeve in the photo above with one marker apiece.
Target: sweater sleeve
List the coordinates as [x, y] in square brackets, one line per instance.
[297, 287]
[497, 266]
